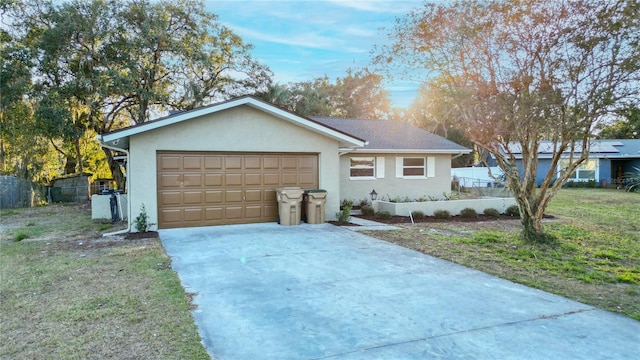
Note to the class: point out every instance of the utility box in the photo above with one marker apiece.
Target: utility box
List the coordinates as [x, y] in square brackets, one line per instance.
[289, 205]
[315, 201]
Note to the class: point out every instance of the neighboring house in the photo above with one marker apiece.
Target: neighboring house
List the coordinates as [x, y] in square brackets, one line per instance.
[609, 161]
[221, 164]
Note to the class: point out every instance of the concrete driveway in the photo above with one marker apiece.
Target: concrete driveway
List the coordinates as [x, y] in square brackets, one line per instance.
[265, 291]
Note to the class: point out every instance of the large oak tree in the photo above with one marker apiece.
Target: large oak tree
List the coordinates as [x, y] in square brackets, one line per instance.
[524, 71]
[102, 64]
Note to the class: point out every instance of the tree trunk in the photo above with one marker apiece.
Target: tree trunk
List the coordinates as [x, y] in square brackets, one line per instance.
[78, 156]
[116, 172]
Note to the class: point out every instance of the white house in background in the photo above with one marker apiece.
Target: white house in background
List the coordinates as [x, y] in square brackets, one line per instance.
[222, 164]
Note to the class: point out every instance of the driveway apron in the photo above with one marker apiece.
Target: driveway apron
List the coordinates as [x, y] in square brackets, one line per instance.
[265, 291]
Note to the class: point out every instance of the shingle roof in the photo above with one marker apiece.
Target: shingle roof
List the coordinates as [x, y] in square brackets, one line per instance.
[393, 136]
[602, 148]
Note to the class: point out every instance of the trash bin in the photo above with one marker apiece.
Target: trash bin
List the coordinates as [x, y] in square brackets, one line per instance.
[314, 205]
[289, 200]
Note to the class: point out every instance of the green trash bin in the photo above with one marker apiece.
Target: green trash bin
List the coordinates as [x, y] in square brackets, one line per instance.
[315, 201]
[289, 201]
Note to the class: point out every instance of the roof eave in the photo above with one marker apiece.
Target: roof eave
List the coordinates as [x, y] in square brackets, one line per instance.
[414, 151]
[122, 136]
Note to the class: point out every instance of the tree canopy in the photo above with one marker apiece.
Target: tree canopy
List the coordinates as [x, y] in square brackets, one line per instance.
[102, 64]
[522, 71]
[359, 94]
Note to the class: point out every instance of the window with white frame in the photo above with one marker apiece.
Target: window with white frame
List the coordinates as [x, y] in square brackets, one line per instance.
[584, 172]
[415, 167]
[362, 167]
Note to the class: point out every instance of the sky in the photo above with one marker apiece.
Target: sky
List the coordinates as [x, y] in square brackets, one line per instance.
[302, 40]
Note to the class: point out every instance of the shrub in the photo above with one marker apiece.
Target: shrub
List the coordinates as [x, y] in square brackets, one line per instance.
[347, 202]
[417, 214]
[344, 215]
[364, 202]
[367, 210]
[442, 214]
[512, 210]
[468, 213]
[491, 212]
[384, 215]
[142, 220]
[20, 236]
[591, 183]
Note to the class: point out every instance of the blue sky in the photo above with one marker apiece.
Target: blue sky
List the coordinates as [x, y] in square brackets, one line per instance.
[304, 40]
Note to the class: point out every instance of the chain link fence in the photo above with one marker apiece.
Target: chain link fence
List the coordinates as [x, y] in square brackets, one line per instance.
[17, 193]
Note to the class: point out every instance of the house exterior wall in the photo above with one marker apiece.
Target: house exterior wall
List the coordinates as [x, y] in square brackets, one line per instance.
[390, 185]
[240, 129]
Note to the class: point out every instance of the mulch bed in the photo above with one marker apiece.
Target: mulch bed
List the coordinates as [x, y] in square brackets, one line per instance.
[142, 235]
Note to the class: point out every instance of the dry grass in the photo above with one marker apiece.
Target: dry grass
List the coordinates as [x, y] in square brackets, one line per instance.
[68, 293]
[595, 260]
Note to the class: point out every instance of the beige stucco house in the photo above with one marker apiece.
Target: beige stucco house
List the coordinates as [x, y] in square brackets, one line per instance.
[221, 164]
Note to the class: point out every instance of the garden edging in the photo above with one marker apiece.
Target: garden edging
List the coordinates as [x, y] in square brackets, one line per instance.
[452, 206]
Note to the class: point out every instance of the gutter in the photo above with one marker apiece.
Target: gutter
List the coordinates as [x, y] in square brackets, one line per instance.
[128, 229]
[458, 155]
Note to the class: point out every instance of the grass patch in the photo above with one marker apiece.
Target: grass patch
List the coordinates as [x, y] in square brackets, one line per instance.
[91, 297]
[595, 257]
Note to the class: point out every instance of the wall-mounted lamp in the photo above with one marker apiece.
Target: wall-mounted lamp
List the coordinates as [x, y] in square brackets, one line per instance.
[374, 194]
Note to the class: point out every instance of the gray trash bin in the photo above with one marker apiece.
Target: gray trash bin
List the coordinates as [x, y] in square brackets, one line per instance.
[289, 201]
[314, 205]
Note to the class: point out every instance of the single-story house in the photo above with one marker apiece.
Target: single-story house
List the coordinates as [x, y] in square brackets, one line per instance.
[221, 164]
[609, 161]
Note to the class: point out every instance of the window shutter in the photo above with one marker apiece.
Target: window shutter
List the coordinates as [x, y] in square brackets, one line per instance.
[398, 167]
[380, 167]
[431, 166]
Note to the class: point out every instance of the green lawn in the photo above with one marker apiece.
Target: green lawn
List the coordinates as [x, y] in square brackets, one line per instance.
[68, 293]
[595, 260]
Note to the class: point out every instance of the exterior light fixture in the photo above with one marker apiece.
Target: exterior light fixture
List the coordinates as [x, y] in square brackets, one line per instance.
[374, 194]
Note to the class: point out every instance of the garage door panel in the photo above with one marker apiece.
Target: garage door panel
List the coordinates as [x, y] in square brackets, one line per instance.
[171, 180]
[290, 179]
[232, 179]
[271, 179]
[213, 197]
[253, 212]
[170, 163]
[213, 162]
[234, 212]
[193, 214]
[271, 211]
[252, 179]
[192, 197]
[214, 213]
[201, 189]
[213, 179]
[192, 180]
[289, 163]
[270, 195]
[171, 197]
[306, 180]
[192, 162]
[170, 216]
[252, 162]
[271, 162]
[233, 162]
[253, 195]
[233, 196]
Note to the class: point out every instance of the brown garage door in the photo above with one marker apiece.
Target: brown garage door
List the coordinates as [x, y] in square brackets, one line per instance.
[201, 189]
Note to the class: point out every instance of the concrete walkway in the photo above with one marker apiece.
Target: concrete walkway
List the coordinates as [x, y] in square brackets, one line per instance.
[322, 292]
